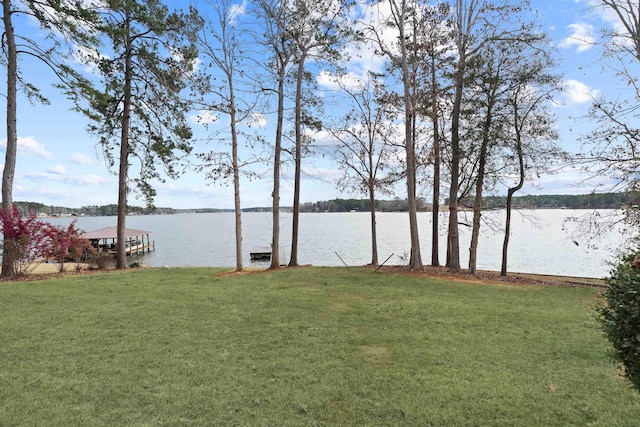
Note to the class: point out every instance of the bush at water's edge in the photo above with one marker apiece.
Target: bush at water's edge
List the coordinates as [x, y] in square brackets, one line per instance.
[620, 317]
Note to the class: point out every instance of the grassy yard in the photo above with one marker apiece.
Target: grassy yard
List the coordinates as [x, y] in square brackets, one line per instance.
[308, 346]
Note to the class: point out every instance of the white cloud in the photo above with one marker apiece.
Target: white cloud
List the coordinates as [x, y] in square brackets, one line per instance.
[195, 195]
[86, 180]
[622, 38]
[321, 137]
[43, 176]
[28, 145]
[204, 117]
[609, 16]
[89, 58]
[581, 37]
[570, 181]
[55, 175]
[82, 159]
[576, 92]
[42, 193]
[193, 190]
[257, 121]
[373, 18]
[332, 82]
[327, 80]
[57, 170]
[323, 174]
[237, 10]
[364, 56]
[195, 65]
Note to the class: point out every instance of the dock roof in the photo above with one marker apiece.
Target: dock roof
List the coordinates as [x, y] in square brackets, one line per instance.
[112, 233]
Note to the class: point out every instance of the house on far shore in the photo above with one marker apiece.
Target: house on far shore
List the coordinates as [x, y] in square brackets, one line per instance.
[105, 239]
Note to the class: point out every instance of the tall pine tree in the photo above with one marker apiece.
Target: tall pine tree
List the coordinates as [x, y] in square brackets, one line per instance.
[137, 109]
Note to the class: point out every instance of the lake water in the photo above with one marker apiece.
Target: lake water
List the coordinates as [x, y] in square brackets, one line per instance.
[541, 240]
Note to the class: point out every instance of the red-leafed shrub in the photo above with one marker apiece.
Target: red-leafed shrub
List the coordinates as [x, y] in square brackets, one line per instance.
[24, 239]
[64, 244]
[27, 239]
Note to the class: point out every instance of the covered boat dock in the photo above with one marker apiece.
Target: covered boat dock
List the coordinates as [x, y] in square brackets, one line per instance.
[104, 240]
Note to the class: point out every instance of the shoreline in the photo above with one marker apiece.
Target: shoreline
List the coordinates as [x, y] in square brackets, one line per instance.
[45, 269]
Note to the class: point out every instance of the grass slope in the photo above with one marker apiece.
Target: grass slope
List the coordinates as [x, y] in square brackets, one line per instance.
[309, 346]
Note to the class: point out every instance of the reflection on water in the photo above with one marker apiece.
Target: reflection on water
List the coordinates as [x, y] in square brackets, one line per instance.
[540, 243]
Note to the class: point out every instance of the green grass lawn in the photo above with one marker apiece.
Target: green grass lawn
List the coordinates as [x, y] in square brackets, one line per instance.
[308, 346]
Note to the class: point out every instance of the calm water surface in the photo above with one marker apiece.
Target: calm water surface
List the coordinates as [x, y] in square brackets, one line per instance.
[541, 240]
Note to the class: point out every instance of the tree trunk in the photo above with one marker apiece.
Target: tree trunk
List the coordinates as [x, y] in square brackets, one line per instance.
[8, 256]
[448, 253]
[453, 238]
[477, 211]
[435, 203]
[374, 234]
[416, 257]
[510, 192]
[482, 162]
[435, 218]
[298, 161]
[236, 179]
[507, 233]
[409, 143]
[465, 19]
[121, 254]
[275, 241]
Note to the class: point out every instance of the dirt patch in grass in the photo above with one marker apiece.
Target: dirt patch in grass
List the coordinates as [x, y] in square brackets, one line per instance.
[377, 355]
[483, 276]
[48, 270]
[340, 306]
[244, 272]
[52, 268]
[44, 270]
[494, 277]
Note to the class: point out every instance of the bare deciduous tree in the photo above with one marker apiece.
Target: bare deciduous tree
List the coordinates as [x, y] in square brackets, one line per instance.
[477, 23]
[404, 20]
[366, 136]
[611, 148]
[316, 30]
[220, 46]
[276, 17]
[533, 148]
[433, 46]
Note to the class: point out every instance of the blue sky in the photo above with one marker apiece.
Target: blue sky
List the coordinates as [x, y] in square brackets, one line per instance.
[60, 164]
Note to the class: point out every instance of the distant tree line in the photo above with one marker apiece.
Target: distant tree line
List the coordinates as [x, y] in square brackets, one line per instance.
[547, 201]
[581, 201]
[550, 201]
[360, 205]
[35, 208]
